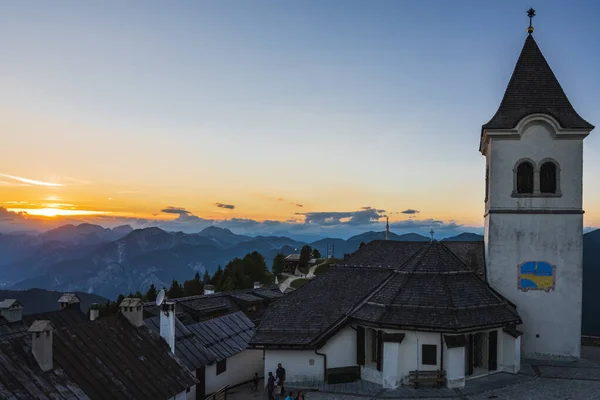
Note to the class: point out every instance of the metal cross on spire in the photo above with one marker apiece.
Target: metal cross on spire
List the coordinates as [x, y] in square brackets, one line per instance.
[431, 232]
[530, 14]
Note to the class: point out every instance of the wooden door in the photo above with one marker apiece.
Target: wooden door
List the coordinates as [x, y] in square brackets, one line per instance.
[493, 351]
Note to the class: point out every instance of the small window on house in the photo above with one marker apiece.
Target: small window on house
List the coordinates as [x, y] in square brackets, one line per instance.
[311, 361]
[429, 354]
[548, 177]
[221, 366]
[525, 177]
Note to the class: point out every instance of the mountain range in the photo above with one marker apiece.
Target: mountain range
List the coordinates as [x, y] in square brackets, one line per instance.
[108, 262]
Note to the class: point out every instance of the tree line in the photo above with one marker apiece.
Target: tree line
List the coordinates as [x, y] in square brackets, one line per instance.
[239, 273]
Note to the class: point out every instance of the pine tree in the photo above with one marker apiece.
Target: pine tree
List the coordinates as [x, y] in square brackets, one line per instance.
[151, 293]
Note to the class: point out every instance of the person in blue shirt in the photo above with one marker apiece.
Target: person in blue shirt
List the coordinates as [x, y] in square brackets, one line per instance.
[290, 396]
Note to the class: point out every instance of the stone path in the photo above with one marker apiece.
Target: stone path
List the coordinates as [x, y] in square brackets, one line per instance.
[290, 278]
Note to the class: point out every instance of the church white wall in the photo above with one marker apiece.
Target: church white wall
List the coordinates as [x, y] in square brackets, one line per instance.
[511, 353]
[240, 368]
[551, 320]
[300, 365]
[341, 349]
[454, 365]
[191, 395]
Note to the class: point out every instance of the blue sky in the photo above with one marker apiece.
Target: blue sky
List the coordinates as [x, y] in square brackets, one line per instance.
[335, 105]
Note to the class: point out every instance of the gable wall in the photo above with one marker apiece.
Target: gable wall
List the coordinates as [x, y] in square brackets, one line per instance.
[240, 368]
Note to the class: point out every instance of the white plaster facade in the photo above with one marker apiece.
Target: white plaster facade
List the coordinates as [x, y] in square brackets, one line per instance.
[308, 366]
[398, 358]
[240, 368]
[551, 319]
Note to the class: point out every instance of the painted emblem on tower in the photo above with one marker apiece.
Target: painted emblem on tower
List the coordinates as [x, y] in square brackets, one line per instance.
[536, 275]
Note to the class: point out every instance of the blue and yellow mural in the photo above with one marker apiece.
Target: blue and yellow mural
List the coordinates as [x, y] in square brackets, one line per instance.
[536, 275]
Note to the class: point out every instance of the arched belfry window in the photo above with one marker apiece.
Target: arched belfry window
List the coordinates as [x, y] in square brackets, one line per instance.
[549, 177]
[524, 177]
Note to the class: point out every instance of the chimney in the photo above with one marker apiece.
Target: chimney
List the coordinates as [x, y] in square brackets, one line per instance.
[167, 323]
[41, 343]
[209, 289]
[11, 310]
[256, 285]
[133, 310]
[94, 311]
[69, 300]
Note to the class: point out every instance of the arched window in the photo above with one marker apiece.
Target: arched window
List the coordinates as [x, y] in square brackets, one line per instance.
[487, 183]
[548, 177]
[525, 177]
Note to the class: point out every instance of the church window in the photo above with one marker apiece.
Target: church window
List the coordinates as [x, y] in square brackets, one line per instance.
[548, 177]
[525, 177]
[429, 354]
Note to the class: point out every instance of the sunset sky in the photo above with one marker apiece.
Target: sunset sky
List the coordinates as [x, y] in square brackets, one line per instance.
[323, 113]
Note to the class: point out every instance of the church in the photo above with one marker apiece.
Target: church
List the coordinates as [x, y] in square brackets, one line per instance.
[396, 313]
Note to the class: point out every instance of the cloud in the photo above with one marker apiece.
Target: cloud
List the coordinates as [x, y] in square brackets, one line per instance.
[227, 206]
[175, 210]
[30, 181]
[410, 211]
[365, 216]
[297, 205]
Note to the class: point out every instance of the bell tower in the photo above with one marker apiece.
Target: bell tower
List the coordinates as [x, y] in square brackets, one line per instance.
[533, 148]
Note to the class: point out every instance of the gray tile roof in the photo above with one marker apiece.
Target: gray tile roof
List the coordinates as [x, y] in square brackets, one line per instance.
[8, 303]
[59, 319]
[69, 298]
[436, 290]
[302, 316]
[188, 348]
[131, 302]
[533, 88]
[207, 342]
[225, 336]
[102, 359]
[412, 285]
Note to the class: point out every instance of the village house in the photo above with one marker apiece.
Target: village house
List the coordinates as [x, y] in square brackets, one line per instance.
[100, 359]
[15, 323]
[445, 312]
[210, 333]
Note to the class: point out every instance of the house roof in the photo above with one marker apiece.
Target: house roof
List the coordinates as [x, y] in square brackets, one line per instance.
[188, 348]
[222, 302]
[131, 302]
[419, 285]
[303, 316]
[394, 254]
[435, 289]
[41, 326]
[8, 303]
[210, 341]
[106, 358]
[69, 298]
[59, 319]
[532, 89]
[225, 336]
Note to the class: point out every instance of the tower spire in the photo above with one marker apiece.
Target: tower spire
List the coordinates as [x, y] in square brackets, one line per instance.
[387, 228]
[530, 14]
[431, 232]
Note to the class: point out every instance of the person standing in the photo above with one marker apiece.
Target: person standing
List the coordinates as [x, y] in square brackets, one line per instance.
[271, 386]
[255, 381]
[280, 373]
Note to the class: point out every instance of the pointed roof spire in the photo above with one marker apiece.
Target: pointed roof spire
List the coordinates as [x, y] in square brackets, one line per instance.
[534, 89]
[387, 227]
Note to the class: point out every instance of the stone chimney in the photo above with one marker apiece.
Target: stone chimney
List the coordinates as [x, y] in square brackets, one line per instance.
[209, 289]
[133, 310]
[41, 343]
[256, 285]
[11, 310]
[94, 311]
[167, 323]
[69, 300]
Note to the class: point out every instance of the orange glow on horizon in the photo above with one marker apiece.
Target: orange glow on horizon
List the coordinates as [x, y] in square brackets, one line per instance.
[56, 212]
